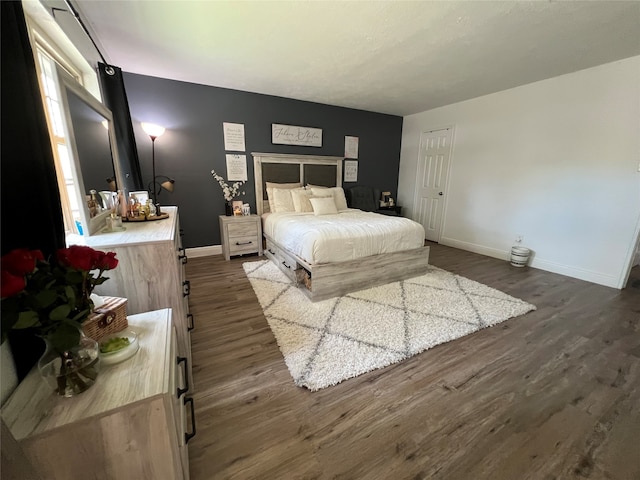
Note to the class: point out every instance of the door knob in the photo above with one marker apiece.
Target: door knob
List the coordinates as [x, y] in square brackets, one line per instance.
[440, 193]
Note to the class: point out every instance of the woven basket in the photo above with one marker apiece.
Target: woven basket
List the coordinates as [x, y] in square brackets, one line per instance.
[109, 318]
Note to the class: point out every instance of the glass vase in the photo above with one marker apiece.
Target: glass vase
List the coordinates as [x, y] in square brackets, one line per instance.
[72, 371]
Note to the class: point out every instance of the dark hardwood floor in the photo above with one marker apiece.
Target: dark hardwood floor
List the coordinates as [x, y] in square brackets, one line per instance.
[554, 394]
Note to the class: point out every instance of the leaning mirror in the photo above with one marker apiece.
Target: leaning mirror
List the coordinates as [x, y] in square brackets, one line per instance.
[93, 154]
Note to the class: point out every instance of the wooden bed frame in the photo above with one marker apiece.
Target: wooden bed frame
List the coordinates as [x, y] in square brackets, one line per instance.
[323, 281]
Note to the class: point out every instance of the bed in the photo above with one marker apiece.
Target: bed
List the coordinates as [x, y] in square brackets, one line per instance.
[334, 252]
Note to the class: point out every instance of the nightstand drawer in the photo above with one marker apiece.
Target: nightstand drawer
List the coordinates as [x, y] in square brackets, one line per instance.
[238, 245]
[243, 229]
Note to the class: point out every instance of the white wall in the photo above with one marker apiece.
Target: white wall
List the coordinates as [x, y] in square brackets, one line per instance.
[555, 161]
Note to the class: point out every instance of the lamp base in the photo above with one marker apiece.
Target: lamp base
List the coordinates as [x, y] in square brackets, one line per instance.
[158, 211]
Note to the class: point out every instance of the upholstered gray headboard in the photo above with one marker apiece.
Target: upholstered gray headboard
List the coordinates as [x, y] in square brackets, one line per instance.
[288, 168]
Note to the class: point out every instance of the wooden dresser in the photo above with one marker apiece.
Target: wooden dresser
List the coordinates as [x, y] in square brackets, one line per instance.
[240, 235]
[150, 272]
[134, 423]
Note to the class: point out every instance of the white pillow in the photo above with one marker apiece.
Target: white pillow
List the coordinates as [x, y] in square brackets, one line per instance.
[338, 196]
[271, 185]
[315, 186]
[323, 205]
[282, 200]
[301, 200]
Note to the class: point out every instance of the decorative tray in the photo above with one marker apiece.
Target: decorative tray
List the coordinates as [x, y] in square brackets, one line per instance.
[150, 218]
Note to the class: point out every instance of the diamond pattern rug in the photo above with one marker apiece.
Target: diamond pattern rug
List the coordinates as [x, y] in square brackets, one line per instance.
[324, 343]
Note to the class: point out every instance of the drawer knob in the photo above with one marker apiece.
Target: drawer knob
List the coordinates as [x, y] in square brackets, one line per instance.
[244, 243]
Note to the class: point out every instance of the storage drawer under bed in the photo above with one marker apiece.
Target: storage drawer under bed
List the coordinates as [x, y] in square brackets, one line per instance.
[285, 261]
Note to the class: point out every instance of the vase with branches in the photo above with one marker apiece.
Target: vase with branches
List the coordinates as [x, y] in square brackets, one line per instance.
[228, 191]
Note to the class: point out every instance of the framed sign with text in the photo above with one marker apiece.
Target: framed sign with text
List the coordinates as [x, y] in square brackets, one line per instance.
[292, 135]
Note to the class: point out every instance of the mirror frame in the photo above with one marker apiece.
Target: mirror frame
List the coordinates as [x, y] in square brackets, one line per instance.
[65, 83]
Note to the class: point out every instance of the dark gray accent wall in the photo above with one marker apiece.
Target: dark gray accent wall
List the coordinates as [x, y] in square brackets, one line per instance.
[193, 143]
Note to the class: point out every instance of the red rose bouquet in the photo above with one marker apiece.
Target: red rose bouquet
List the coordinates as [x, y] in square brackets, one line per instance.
[51, 298]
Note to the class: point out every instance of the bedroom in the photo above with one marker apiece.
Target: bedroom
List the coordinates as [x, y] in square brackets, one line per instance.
[498, 204]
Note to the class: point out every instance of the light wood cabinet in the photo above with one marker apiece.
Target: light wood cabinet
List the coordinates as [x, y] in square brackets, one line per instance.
[150, 272]
[240, 235]
[133, 423]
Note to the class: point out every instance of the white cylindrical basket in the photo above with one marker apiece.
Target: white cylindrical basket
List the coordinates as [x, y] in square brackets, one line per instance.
[519, 256]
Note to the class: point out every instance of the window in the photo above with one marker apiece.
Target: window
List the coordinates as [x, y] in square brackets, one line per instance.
[53, 110]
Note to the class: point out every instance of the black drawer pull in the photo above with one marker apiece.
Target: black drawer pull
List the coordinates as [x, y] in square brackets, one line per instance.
[184, 390]
[284, 263]
[190, 325]
[272, 252]
[186, 288]
[244, 243]
[189, 436]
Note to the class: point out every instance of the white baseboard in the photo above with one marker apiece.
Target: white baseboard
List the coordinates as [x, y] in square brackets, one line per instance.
[579, 273]
[475, 248]
[204, 251]
[548, 266]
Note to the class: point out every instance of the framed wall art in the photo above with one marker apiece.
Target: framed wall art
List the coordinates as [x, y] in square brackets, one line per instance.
[350, 170]
[292, 135]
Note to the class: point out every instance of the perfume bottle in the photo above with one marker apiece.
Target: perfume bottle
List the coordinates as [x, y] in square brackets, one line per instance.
[93, 204]
[144, 209]
[151, 208]
[116, 222]
[122, 204]
[134, 208]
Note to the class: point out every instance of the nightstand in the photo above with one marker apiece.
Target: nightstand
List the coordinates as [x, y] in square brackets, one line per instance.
[240, 235]
[396, 210]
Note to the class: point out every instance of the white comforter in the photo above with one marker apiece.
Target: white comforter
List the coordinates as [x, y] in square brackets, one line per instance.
[347, 235]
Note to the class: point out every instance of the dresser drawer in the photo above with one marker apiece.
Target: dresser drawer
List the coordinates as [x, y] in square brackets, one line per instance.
[243, 229]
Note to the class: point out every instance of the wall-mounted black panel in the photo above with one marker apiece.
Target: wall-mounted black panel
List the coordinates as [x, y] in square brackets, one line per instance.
[193, 143]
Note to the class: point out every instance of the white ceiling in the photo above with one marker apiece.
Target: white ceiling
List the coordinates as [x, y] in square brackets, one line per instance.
[396, 57]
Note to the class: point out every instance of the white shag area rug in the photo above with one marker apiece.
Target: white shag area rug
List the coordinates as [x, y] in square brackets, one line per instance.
[326, 342]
